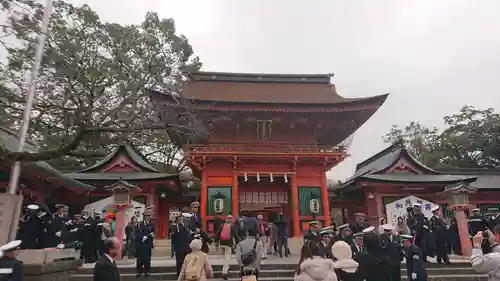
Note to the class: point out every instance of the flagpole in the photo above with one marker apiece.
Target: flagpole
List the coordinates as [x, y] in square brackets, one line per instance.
[16, 168]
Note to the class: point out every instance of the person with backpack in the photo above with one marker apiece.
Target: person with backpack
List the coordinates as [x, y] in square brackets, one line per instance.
[249, 254]
[196, 266]
[226, 238]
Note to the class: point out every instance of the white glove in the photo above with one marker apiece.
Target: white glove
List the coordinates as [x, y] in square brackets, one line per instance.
[60, 246]
[144, 238]
[413, 276]
[87, 224]
[58, 234]
[74, 230]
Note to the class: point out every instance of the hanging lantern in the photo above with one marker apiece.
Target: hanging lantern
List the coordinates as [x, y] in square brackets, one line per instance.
[245, 177]
[271, 179]
[258, 177]
[314, 206]
[286, 178]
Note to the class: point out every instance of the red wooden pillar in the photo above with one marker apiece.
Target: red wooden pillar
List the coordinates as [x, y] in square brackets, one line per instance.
[295, 207]
[463, 230]
[324, 200]
[235, 195]
[204, 200]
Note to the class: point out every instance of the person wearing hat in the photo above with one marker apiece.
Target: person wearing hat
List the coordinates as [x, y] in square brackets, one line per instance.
[476, 222]
[494, 218]
[144, 240]
[313, 233]
[437, 226]
[391, 244]
[9, 262]
[357, 246]
[415, 266]
[29, 227]
[181, 237]
[57, 227]
[325, 244]
[344, 234]
[421, 230]
[359, 224]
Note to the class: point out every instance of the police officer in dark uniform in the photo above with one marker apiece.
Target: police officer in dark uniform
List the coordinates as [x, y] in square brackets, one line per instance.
[357, 246]
[344, 234]
[421, 230]
[144, 238]
[29, 227]
[437, 227]
[11, 268]
[360, 223]
[477, 223]
[391, 246]
[56, 227]
[415, 267]
[325, 244]
[313, 233]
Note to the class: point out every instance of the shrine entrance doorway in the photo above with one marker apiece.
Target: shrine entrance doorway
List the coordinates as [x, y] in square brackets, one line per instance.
[266, 199]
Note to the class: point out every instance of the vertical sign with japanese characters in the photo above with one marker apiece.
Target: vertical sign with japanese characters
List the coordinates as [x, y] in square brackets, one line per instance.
[398, 208]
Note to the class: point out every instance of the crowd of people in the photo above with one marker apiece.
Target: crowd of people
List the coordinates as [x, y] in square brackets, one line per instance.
[353, 251]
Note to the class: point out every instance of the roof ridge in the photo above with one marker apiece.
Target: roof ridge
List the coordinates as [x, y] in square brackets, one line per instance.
[385, 151]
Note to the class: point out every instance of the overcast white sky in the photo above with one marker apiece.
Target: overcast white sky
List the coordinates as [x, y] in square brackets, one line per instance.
[433, 56]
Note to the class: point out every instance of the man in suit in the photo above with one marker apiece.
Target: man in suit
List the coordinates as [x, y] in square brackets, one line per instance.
[357, 245]
[105, 269]
[325, 246]
[181, 238]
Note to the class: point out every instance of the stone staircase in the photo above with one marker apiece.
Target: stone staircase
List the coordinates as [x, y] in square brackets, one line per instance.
[163, 247]
[280, 271]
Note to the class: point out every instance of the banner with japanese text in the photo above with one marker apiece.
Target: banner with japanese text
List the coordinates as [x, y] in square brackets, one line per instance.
[398, 208]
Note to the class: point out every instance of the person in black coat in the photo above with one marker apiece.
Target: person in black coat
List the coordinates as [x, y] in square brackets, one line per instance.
[105, 269]
[373, 264]
[437, 226]
[325, 245]
[357, 245]
[360, 223]
[13, 269]
[415, 266]
[494, 219]
[181, 238]
[393, 249]
[144, 238]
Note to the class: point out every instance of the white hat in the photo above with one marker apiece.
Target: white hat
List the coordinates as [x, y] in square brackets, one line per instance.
[417, 205]
[344, 226]
[11, 246]
[369, 229]
[1, 254]
[33, 207]
[435, 208]
[187, 215]
[476, 210]
[387, 227]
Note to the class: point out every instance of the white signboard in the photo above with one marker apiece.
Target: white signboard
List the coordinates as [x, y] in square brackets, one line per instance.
[398, 208]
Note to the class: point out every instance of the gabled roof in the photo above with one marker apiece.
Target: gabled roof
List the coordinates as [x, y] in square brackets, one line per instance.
[124, 149]
[374, 169]
[9, 141]
[303, 89]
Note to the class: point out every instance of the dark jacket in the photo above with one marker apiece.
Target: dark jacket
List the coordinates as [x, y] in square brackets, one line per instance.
[415, 264]
[105, 270]
[181, 239]
[16, 266]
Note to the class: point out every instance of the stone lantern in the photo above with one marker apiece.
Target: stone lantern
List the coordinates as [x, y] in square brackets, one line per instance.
[458, 201]
[122, 200]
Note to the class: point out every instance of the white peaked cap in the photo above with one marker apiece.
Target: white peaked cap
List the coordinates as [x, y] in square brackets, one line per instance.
[417, 205]
[388, 226]
[11, 246]
[369, 229]
[435, 208]
[33, 207]
[187, 215]
[1, 254]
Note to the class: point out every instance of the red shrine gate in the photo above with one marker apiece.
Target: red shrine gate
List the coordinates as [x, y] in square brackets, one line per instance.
[270, 139]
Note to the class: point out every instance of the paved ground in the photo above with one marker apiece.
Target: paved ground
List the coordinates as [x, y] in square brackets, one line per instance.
[217, 260]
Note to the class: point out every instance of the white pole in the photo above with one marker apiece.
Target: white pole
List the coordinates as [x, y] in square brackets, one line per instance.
[16, 168]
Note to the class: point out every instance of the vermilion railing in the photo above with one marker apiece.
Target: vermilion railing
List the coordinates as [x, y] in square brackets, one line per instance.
[251, 148]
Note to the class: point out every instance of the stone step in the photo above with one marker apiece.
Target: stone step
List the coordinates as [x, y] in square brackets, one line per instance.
[266, 271]
[163, 277]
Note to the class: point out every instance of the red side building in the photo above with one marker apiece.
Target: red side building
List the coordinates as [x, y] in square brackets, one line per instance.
[125, 163]
[271, 139]
[393, 174]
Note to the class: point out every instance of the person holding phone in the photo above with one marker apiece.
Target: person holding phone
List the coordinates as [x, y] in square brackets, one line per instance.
[485, 256]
